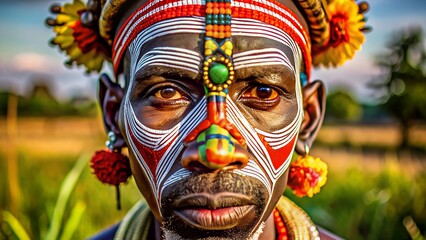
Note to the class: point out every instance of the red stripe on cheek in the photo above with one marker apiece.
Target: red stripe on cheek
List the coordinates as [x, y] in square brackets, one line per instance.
[279, 156]
[150, 156]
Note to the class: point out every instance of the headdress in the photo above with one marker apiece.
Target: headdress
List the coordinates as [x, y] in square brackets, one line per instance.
[87, 33]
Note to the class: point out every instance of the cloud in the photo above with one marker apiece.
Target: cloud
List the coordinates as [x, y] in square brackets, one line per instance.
[33, 62]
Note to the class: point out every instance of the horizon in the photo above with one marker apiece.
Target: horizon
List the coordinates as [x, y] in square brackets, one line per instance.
[25, 53]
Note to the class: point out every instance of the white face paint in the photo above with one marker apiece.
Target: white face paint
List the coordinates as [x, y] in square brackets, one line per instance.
[157, 150]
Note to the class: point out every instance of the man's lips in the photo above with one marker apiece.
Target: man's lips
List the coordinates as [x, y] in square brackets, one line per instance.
[213, 212]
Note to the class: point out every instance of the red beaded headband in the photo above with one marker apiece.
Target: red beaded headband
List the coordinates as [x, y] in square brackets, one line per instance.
[155, 11]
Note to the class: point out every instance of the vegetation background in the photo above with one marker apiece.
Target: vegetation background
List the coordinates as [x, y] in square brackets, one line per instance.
[376, 155]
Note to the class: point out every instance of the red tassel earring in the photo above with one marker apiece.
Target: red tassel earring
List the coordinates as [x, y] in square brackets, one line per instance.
[110, 166]
[307, 175]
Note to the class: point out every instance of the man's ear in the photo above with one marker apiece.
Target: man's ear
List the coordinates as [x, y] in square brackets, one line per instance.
[314, 108]
[110, 96]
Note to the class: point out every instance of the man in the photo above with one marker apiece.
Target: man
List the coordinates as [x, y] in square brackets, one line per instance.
[215, 99]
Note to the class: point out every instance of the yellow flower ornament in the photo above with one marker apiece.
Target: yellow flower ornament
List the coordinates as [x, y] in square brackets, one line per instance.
[347, 27]
[77, 35]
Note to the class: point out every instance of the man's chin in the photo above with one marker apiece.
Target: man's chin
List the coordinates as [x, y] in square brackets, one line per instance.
[214, 206]
[172, 235]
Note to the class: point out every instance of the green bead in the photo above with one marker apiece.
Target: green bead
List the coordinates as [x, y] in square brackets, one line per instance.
[218, 73]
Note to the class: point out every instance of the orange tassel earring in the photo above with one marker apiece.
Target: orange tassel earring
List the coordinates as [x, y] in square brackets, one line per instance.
[307, 175]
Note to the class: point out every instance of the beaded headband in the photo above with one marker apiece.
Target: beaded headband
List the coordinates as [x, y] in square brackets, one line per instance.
[86, 32]
[217, 21]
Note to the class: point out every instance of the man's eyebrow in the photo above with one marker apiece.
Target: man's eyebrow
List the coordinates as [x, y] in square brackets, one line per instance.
[261, 63]
[170, 57]
[166, 72]
[262, 57]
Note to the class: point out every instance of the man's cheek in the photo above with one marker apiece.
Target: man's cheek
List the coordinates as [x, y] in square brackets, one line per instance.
[271, 150]
[158, 151]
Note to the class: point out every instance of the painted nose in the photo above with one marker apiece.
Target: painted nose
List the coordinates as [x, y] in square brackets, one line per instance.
[214, 149]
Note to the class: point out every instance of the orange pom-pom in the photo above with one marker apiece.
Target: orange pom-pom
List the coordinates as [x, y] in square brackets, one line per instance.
[307, 176]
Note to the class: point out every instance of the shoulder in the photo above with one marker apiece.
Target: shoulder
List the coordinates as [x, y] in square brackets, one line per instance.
[326, 235]
[107, 234]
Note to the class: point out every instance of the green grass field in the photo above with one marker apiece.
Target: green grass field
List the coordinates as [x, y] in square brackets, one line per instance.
[369, 194]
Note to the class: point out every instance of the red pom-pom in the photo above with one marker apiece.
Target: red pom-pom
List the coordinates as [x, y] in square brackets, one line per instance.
[111, 167]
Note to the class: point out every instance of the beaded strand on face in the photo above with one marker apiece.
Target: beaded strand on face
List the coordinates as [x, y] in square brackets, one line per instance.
[218, 71]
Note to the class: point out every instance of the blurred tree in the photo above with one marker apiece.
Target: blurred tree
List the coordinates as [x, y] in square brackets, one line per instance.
[40, 102]
[403, 86]
[342, 106]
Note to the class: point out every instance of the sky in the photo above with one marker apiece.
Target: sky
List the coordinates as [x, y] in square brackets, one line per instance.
[25, 55]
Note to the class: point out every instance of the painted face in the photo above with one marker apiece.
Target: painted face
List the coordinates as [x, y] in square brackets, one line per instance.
[165, 104]
[166, 101]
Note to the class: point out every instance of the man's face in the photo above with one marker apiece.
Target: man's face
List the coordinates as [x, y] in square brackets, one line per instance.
[165, 100]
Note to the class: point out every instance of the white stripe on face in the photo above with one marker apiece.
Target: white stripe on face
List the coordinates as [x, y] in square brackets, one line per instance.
[166, 145]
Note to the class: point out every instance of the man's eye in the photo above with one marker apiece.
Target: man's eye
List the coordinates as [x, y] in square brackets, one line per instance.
[168, 93]
[261, 92]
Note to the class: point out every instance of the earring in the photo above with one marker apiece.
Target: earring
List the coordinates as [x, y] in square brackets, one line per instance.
[307, 175]
[110, 166]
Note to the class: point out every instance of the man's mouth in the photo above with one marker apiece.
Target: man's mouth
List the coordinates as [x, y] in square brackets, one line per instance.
[213, 212]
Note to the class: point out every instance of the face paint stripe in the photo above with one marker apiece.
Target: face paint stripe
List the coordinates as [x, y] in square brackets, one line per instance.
[253, 169]
[168, 160]
[164, 165]
[172, 65]
[262, 31]
[249, 27]
[241, 55]
[152, 132]
[183, 128]
[279, 135]
[237, 118]
[175, 177]
[193, 118]
[180, 59]
[143, 136]
[184, 61]
[298, 31]
[132, 24]
[251, 137]
[171, 26]
[151, 138]
[282, 141]
[138, 156]
[253, 144]
[278, 57]
[280, 38]
[245, 24]
[136, 15]
[256, 64]
[170, 54]
[178, 52]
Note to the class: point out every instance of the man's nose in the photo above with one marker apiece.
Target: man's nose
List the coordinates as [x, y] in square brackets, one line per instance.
[213, 150]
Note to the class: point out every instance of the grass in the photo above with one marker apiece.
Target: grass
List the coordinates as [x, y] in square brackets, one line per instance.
[369, 195]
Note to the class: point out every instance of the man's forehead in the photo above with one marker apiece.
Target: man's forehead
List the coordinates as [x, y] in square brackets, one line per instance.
[137, 4]
[254, 57]
[193, 42]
